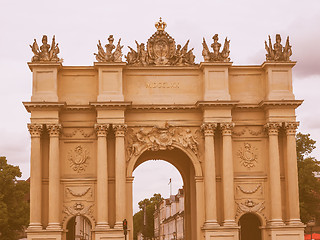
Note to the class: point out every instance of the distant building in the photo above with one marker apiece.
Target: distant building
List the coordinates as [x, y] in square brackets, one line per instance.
[169, 218]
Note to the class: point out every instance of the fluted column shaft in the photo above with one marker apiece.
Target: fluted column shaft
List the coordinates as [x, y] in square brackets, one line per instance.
[274, 174]
[120, 180]
[228, 175]
[292, 173]
[54, 177]
[210, 175]
[35, 177]
[102, 176]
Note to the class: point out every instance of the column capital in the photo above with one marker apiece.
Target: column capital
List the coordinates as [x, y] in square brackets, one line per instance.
[227, 128]
[101, 129]
[272, 128]
[54, 129]
[291, 127]
[208, 128]
[119, 129]
[35, 129]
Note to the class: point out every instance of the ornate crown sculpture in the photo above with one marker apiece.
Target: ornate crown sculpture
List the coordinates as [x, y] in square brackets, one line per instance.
[108, 55]
[216, 55]
[161, 50]
[278, 53]
[45, 53]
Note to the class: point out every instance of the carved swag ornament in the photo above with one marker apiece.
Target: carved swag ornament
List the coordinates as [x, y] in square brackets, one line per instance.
[158, 138]
[161, 50]
[278, 53]
[46, 53]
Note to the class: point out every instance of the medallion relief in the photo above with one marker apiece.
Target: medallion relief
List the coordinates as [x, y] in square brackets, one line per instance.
[78, 158]
[248, 155]
[161, 138]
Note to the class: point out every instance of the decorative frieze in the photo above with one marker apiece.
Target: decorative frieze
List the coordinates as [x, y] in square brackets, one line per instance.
[161, 138]
[83, 133]
[35, 129]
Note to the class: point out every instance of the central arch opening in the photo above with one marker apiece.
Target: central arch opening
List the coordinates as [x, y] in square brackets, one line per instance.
[250, 227]
[181, 161]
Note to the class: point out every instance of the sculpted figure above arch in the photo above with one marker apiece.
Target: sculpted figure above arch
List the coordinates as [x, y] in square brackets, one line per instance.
[45, 53]
[161, 50]
[109, 55]
[161, 138]
[216, 55]
[278, 53]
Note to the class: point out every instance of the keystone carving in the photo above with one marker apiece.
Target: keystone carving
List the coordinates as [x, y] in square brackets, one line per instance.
[278, 53]
[250, 206]
[109, 55]
[45, 53]
[216, 55]
[161, 138]
[161, 50]
[78, 159]
[78, 209]
[248, 156]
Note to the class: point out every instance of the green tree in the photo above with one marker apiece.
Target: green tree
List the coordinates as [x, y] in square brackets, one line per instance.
[138, 218]
[14, 209]
[309, 185]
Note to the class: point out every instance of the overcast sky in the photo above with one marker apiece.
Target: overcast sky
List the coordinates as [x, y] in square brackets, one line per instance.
[78, 25]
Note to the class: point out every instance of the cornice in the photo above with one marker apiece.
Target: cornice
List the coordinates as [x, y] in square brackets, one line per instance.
[278, 64]
[164, 67]
[44, 65]
[269, 104]
[216, 104]
[110, 65]
[111, 105]
[52, 106]
[215, 64]
[163, 107]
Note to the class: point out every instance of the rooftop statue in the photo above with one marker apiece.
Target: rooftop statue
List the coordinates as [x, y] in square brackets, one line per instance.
[108, 55]
[278, 53]
[161, 50]
[216, 55]
[45, 54]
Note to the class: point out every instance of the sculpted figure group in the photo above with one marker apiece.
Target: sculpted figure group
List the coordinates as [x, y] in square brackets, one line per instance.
[160, 49]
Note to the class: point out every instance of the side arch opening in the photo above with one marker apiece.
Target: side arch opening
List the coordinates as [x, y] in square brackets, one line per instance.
[79, 227]
[250, 227]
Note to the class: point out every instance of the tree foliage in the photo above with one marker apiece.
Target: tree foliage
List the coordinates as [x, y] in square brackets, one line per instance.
[138, 218]
[309, 185]
[14, 209]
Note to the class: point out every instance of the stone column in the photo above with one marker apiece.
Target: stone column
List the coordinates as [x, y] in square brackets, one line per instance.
[292, 173]
[227, 177]
[210, 176]
[35, 176]
[54, 177]
[102, 176]
[274, 174]
[120, 168]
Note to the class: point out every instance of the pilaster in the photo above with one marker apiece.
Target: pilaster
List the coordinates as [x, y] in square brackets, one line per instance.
[102, 177]
[54, 177]
[35, 177]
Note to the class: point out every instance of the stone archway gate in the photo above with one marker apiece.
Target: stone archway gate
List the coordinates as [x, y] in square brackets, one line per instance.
[90, 124]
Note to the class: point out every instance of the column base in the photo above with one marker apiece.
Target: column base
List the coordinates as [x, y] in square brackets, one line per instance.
[53, 227]
[34, 227]
[222, 233]
[275, 223]
[118, 226]
[102, 226]
[210, 224]
[295, 222]
[229, 223]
